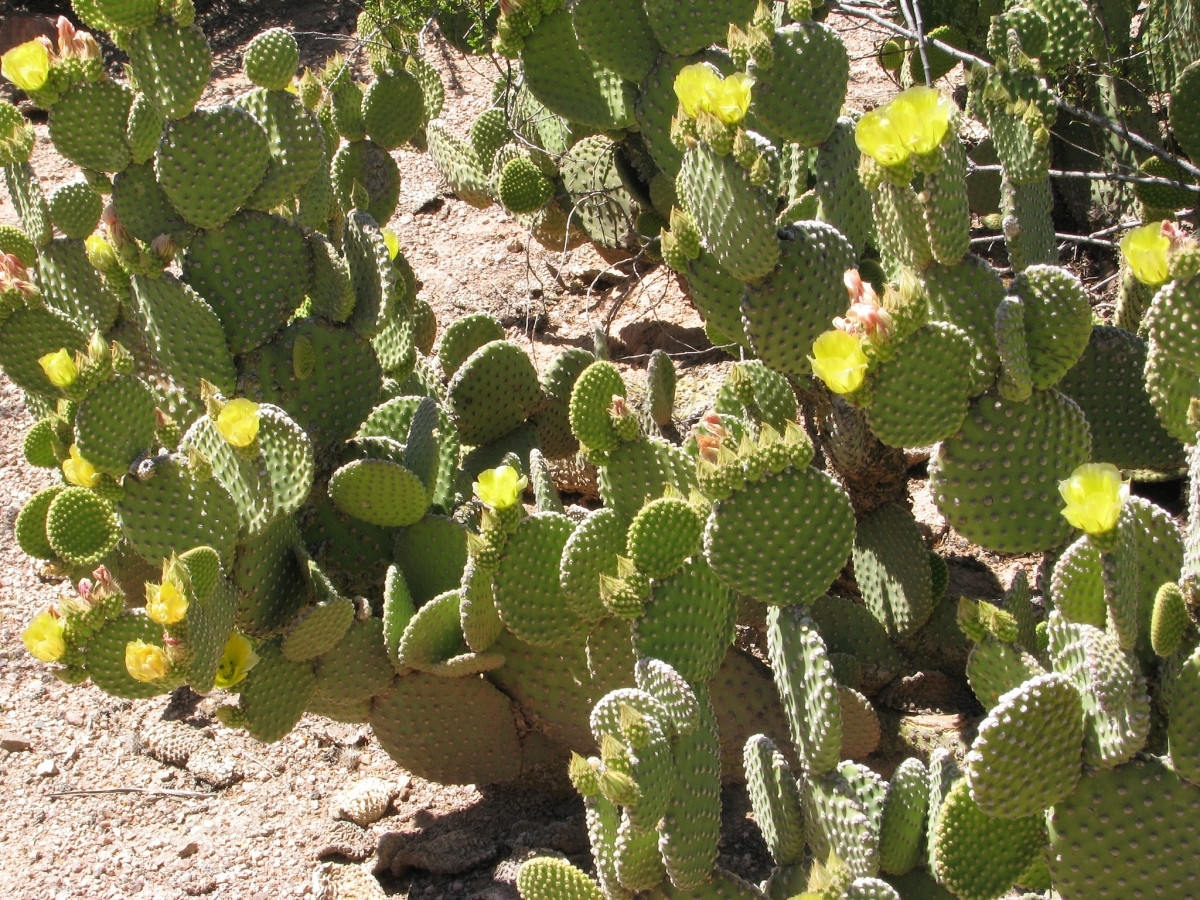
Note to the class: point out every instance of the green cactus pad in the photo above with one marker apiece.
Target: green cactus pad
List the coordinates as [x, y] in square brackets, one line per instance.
[274, 694]
[689, 832]
[221, 148]
[1030, 238]
[994, 668]
[29, 202]
[478, 616]
[398, 610]
[528, 594]
[769, 398]
[837, 822]
[166, 510]
[432, 636]
[109, 14]
[807, 688]
[317, 629]
[1027, 753]
[268, 480]
[966, 295]
[294, 141]
[980, 857]
[775, 798]
[28, 334]
[783, 539]
[639, 864]
[330, 289]
[1171, 389]
[431, 554]
[106, 657]
[335, 397]
[617, 36]
[1149, 553]
[871, 888]
[553, 422]
[490, 132]
[115, 423]
[143, 128]
[464, 336]
[663, 535]
[601, 203]
[799, 96]
[410, 722]
[171, 65]
[81, 527]
[522, 188]
[271, 59]
[845, 203]
[75, 208]
[358, 667]
[736, 219]
[372, 275]
[797, 303]
[688, 623]
[380, 492]
[144, 208]
[459, 164]
[847, 627]
[1009, 503]
[564, 78]
[548, 878]
[14, 241]
[1182, 732]
[493, 392]
[892, 569]
[1169, 621]
[903, 822]
[591, 399]
[367, 164]
[1077, 584]
[1058, 321]
[270, 579]
[45, 444]
[87, 125]
[1108, 834]
[684, 28]
[250, 271]
[640, 471]
[72, 285]
[591, 551]
[920, 395]
[29, 527]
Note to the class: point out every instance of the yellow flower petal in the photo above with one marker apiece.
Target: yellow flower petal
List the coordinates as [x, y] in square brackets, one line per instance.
[238, 422]
[922, 116]
[731, 98]
[839, 361]
[1094, 495]
[392, 242]
[60, 368]
[79, 471]
[146, 662]
[877, 136]
[237, 660]
[694, 86]
[43, 637]
[166, 604]
[501, 487]
[27, 66]
[1145, 250]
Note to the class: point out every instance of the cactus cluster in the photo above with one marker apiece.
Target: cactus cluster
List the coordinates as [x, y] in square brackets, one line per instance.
[272, 485]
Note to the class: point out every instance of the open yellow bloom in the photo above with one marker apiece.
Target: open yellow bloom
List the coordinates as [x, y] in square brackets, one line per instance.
[694, 85]
[238, 422]
[27, 66]
[43, 637]
[79, 471]
[165, 603]
[60, 368]
[237, 660]
[500, 488]
[392, 242]
[1145, 250]
[877, 136]
[731, 98]
[700, 88]
[922, 116]
[146, 662]
[839, 361]
[1094, 495]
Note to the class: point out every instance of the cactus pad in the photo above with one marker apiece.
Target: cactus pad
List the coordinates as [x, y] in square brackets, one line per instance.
[81, 527]
[776, 800]
[87, 125]
[920, 394]
[891, 569]
[115, 423]
[367, 164]
[493, 392]
[72, 285]
[274, 694]
[800, 97]
[271, 59]
[663, 535]
[106, 656]
[25, 337]
[75, 208]
[689, 622]
[380, 492]
[528, 593]
[1058, 321]
[807, 688]
[591, 551]
[172, 65]
[903, 822]
[464, 336]
[294, 141]
[548, 878]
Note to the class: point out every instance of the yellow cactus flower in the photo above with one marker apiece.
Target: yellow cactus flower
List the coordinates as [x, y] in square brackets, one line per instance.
[78, 471]
[238, 422]
[60, 368]
[1145, 250]
[146, 662]
[839, 361]
[237, 660]
[392, 241]
[694, 86]
[1094, 494]
[877, 136]
[731, 98]
[166, 604]
[500, 488]
[922, 116]
[27, 65]
[43, 637]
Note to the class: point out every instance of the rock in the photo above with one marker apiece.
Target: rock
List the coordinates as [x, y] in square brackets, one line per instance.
[13, 742]
[365, 801]
[334, 882]
[191, 848]
[347, 840]
[176, 744]
[445, 854]
[47, 768]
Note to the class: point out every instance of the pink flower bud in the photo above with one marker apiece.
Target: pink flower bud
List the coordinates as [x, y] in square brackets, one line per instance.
[66, 36]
